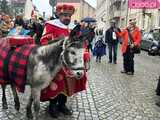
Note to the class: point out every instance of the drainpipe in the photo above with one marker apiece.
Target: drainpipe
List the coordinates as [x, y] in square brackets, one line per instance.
[127, 16]
[120, 20]
[143, 14]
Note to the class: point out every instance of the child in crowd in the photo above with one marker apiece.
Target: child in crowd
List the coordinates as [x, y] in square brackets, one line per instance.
[100, 47]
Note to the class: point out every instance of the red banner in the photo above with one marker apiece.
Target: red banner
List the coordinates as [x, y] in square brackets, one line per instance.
[158, 4]
[140, 4]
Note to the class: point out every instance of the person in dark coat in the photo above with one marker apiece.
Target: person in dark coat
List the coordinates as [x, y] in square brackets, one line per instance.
[39, 29]
[36, 27]
[112, 40]
[19, 21]
[91, 37]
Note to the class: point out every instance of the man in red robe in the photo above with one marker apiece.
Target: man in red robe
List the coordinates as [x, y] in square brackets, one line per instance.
[62, 85]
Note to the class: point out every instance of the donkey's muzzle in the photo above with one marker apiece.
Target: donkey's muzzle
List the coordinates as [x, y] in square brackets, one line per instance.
[79, 74]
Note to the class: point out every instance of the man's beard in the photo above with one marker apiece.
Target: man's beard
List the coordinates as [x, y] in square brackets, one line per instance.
[66, 21]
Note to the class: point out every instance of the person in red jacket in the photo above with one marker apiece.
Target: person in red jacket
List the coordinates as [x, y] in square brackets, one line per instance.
[128, 44]
[62, 85]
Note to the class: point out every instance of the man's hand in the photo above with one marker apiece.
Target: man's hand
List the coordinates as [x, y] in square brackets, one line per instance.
[132, 46]
[115, 29]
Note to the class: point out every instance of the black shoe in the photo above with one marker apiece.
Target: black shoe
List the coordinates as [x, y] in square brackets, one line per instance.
[123, 71]
[53, 111]
[130, 73]
[158, 104]
[65, 110]
[115, 62]
[109, 61]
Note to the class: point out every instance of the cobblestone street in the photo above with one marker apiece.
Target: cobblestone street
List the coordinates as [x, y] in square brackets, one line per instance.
[110, 95]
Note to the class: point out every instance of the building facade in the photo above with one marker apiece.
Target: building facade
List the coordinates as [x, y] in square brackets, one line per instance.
[119, 11]
[108, 10]
[102, 14]
[17, 6]
[146, 19]
[83, 9]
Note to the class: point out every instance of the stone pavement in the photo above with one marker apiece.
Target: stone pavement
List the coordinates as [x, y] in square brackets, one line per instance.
[110, 95]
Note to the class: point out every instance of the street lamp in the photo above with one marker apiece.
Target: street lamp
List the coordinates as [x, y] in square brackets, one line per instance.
[143, 13]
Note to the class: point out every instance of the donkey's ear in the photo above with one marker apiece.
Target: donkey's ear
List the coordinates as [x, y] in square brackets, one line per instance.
[75, 31]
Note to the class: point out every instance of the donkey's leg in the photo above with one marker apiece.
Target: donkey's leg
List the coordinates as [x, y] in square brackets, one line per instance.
[36, 97]
[4, 101]
[29, 108]
[16, 98]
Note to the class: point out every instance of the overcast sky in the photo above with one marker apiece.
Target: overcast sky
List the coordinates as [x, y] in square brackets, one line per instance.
[43, 5]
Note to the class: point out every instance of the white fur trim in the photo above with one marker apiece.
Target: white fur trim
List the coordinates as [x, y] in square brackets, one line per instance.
[59, 24]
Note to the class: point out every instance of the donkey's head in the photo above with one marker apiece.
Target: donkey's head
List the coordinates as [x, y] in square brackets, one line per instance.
[73, 52]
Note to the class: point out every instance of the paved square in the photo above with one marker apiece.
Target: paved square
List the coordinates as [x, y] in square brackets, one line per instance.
[110, 95]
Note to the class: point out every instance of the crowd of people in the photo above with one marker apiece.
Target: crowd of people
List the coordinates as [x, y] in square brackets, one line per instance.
[129, 38]
[45, 31]
[19, 26]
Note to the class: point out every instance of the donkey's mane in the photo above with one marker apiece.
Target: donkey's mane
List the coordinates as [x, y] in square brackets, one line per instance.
[52, 47]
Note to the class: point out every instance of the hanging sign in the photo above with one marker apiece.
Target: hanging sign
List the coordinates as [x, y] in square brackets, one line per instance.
[141, 4]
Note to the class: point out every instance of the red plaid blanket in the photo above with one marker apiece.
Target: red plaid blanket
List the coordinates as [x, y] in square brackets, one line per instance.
[13, 64]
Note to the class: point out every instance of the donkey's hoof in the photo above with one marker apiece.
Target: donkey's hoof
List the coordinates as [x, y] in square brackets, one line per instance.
[30, 117]
[5, 106]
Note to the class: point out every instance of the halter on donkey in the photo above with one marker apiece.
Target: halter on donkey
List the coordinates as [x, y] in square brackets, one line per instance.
[43, 64]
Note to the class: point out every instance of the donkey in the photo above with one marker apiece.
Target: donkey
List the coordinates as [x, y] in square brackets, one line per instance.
[43, 64]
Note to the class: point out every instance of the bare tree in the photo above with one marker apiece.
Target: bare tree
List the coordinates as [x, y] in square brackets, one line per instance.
[4, 6]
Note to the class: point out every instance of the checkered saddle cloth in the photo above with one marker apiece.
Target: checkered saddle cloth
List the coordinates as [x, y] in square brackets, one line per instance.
[13, 63]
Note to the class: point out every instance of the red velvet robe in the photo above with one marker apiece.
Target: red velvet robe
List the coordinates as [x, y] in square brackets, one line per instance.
[61, 83]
